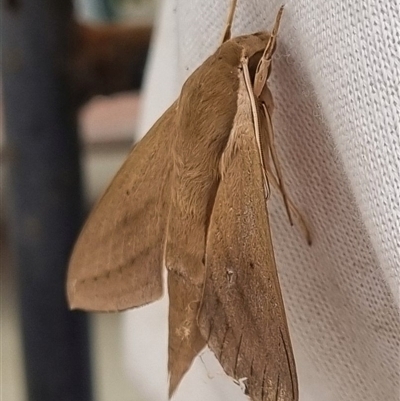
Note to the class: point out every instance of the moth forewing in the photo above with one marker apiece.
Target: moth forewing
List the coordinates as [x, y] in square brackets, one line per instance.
[242, 315]
[117, 261]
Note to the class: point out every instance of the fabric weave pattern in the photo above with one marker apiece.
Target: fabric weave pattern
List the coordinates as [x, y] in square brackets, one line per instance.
[335, 81]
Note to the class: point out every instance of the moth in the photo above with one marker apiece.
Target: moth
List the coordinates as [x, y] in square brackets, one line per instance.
[192, 196]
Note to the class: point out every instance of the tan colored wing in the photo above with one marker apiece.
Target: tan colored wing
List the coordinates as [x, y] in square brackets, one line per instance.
[117, 261]
[242, 316]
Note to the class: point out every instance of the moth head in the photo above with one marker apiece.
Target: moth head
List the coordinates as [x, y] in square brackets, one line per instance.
[253, 47]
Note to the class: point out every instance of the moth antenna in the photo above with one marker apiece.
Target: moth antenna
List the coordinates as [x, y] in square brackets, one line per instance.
[265, 61]
[228, 27]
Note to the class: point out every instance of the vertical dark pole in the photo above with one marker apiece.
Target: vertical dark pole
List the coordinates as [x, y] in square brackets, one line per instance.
[46, 196]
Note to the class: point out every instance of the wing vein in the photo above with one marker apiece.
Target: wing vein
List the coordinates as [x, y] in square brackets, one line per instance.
[237, 354]
[288, 361]
[263, 383]
[223, 342]
[277, 388]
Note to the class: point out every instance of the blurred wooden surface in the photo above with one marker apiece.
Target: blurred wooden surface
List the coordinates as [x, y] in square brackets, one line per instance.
[107, 58]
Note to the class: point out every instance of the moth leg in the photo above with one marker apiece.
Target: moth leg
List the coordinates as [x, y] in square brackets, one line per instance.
[267, 171]
[275, 160]
[264, 65]
[227, 32]
[269, 148]
[277, 180]
[256, 121]
[303, 224]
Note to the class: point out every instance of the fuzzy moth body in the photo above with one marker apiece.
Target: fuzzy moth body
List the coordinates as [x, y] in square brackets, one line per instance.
[192, 196]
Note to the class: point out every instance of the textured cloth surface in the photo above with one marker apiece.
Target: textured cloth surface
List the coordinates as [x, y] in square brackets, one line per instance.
[335, 81]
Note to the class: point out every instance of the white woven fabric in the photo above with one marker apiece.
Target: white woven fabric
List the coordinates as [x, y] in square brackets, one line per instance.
[335, 81]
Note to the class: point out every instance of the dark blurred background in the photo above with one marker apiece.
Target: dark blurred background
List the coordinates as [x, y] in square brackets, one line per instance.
[71, 79]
